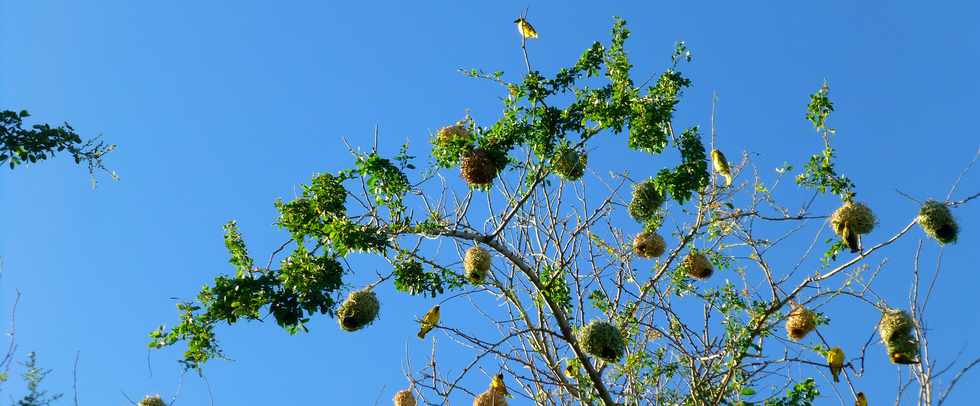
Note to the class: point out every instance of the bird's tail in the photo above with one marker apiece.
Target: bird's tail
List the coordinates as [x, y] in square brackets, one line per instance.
[728, 179]
[422, 334]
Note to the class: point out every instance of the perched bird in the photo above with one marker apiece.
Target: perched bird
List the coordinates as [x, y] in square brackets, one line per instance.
[861, 400]
[835, 359]
[525, 28]
[721, 166]
[497, 385]
[570, 371]
[429, 321]
[851, 239]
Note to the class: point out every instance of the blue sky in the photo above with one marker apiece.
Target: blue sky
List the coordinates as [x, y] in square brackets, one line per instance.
[220, 108]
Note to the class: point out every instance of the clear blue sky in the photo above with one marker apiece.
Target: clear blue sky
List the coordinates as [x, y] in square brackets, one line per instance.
[221, 107]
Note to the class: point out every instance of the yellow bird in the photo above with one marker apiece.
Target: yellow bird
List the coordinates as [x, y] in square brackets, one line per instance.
[835, 359]
[429, 321]
[861, 400]
[497, 384]
[851, 239]
[570, 371]
[525, 28]
[721, 166]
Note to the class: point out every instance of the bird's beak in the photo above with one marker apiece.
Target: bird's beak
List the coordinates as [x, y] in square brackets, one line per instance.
[517, 20]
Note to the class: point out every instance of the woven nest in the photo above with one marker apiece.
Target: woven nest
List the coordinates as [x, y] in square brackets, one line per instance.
[478, 168]
[903, 349]
[800, 322]
[857, 216]
[476, 263]
[647, 199]
[152, 400]
[490, 398]
[649, 245]
[404, 398]
[894, 323]
[569, 164]
[937, 221]
[359, 310]
[449, 134]
[697, 265]
[603, 340]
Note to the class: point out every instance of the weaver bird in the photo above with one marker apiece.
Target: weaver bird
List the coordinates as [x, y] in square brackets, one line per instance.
[835, 359]
[525, 28]
[429, 321]
[497, 384]
[861, 400]
[721, 166]
[570, 371]
[851, 239]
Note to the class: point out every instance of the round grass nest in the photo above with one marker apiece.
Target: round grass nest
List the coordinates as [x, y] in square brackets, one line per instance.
[449, 134]
[569, 164]
[490, 398]
[478, 168]
[404, 398]
[359, 310]
[800, 322]
[152, 400]
[649, 245]
[903, 349]
[603, 340]
[938, 222]
[697, 265]
[647, 199]
[894, 323]
[856, 215]
[476, 263]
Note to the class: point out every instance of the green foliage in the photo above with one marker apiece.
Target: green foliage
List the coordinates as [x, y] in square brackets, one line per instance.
[556, 287]
[692, 174]
[819, 172]
[385, 181]
[411, 278]
[34, 377]
[19, 145]
[801, 394]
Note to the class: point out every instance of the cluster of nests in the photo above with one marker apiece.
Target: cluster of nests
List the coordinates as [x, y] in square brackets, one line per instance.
[491, 397]
[152, 400]
[896, 329]
[647, 200]
[854, 219]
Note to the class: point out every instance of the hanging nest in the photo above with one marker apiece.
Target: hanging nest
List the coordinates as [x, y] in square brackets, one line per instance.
[359, 310]
[647, 199]
[895, 323]
[603, 340]
[405, 398]
[568, 163]
[476, 263]
[800, 322]
[649, 245]
[152, 400]
[697, 265]
[856, 215]
[937, 221]
[490, 398]
[453, 133]
[478, 168]
[903, 349]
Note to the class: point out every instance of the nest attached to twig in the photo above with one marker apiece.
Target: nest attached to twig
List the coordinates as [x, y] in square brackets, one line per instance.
[359, 310]
[478, 168]
[647, 199]
[649, 244]
[152, 400]
[856, 215]
[894, 323]
[603, 340]
[697, 265]
[490, 398]
[405, 398]
[937, 221]
[800, 322]
[569, 164]
[476, 263]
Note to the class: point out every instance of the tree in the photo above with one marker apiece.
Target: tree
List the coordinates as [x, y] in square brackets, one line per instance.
[593, 314]
[19, 145]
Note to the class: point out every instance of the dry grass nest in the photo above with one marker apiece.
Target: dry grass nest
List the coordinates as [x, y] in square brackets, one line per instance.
[800, 322]
[938, 222]
[476, 263]
[452, 133]
[359, 310]
[603, 340]
[152, 400]
[490, 398]
[478, 168]
[569, 164]
[856, 215]
[894, 323]
[649, 244]
[697, 265]
[647, 199]
[405, 398]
